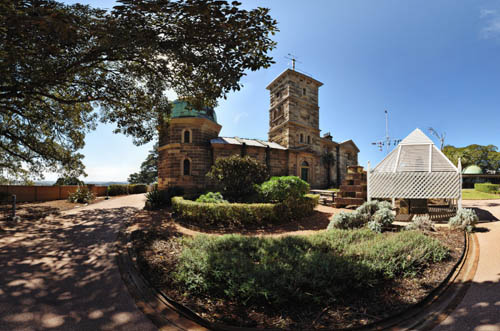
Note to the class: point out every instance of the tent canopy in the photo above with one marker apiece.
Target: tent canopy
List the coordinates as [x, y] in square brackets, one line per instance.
[415, 169]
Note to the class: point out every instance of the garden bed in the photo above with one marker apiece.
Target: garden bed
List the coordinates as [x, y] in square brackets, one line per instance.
[159, 251]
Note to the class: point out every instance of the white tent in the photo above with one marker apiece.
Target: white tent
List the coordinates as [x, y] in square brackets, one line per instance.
[415, 169]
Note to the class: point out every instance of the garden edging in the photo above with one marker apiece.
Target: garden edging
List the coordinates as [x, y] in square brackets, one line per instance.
[167, 313]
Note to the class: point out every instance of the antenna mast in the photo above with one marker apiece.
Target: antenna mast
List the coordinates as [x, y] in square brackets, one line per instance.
[293, 58]
[386, 141]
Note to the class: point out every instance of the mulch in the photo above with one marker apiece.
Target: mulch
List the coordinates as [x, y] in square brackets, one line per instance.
[158, 259]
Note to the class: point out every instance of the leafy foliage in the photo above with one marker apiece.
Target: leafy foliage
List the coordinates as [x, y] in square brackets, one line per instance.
[422, 223]
[137, 188]
[486, 157]
[487, 187]
[377, 215]
[81, 195]
[117, 189]
[241, 215]
[280, 189]
[149, 169]
[328, 160]
[211, 197]
[465, 219]
[299, 270]
[157, 199]
[237, 176]
[67, 67]
[68, 181]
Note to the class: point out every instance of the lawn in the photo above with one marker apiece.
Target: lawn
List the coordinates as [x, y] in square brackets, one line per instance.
[472, 194]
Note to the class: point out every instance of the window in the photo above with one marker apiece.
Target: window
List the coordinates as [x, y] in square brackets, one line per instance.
[301, 138]
[309, 139]
[186, 136]
[304, 91]
[186, 167]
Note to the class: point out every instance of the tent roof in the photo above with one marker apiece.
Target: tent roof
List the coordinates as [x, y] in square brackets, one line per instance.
[415, 153]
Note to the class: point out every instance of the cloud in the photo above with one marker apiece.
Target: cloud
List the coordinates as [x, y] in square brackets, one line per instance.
[491, 18]
[239, 116]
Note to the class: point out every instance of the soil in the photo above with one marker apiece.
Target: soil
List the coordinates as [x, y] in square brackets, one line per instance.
[156, 256]
[38, 210]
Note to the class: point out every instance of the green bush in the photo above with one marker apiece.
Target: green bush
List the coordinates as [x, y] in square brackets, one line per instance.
[242, 215]
[157, 199]
[211, 197]
[279, 189]
[300, 270]
[421, 223]
[237, 176]
[487, 187]
[117, 189]
[377, 215]
[137, 188]
[347, 220]
[81, 195]
[465, 219]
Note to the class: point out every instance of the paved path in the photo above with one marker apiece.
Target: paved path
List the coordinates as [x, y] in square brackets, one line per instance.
[480, 308]
[60, 273]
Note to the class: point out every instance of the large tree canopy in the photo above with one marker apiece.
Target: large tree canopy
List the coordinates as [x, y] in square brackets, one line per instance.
[487, 157]
[64, 68]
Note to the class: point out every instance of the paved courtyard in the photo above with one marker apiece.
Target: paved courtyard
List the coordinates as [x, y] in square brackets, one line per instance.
[61, 274]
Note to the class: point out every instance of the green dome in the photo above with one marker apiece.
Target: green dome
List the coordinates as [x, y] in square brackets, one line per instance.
[182, 109]
[472, 170]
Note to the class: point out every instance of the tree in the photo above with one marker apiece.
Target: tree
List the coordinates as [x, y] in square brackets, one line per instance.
[236, 176]
[149, 169]
[68, 181]
[441, 137]
[64, 68]
[486, 157]
[328, 160]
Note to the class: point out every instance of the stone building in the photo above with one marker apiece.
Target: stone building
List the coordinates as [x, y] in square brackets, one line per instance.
[190, 144]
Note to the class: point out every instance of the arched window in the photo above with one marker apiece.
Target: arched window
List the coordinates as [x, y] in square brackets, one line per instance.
[186, 136]
[301, 138]
[308, 139]
[186, 167]
[304, 171]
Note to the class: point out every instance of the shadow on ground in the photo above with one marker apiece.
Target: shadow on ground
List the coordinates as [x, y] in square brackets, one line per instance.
[60, 273]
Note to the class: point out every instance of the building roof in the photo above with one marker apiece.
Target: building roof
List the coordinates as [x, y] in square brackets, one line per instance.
[182, 109]
[290, 71]
[473, 170]
[415, 153]
[351, 143]
[248, 142]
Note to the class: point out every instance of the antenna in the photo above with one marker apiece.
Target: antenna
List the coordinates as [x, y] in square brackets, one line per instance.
[387, 141]
[293, 58]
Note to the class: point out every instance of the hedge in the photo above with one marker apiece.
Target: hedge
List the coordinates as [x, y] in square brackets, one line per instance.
[137, 188]
[487, 187]
[117, 189]
[229, 215]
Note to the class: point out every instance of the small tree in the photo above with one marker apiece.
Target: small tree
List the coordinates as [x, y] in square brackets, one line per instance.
[236, 176]
[328, 161]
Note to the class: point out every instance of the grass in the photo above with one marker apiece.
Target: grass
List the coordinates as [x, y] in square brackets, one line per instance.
[333, 189]
[472, 194]
[300, 270]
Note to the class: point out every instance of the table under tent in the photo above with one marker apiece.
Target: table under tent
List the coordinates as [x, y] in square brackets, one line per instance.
[414, 173]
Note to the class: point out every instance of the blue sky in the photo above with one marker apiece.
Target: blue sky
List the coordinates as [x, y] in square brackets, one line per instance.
[430, 64]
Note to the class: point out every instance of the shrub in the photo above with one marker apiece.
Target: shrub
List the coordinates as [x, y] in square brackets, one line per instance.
[465, 219]
[81, 195]
[137, 188]
[117, 189]
[347, 220]
[487, 187]
[370, 208]
[279, 189]
[422, 223]
[157, 199]
[236, 176]
[299, 270]
[211, 197]
[383, 218]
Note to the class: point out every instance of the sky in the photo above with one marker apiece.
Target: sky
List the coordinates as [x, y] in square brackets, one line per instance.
[429, 64]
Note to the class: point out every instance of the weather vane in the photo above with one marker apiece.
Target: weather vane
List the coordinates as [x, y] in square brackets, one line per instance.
[387, 141]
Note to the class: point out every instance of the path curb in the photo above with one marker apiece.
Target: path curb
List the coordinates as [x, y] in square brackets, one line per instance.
[167, 314]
